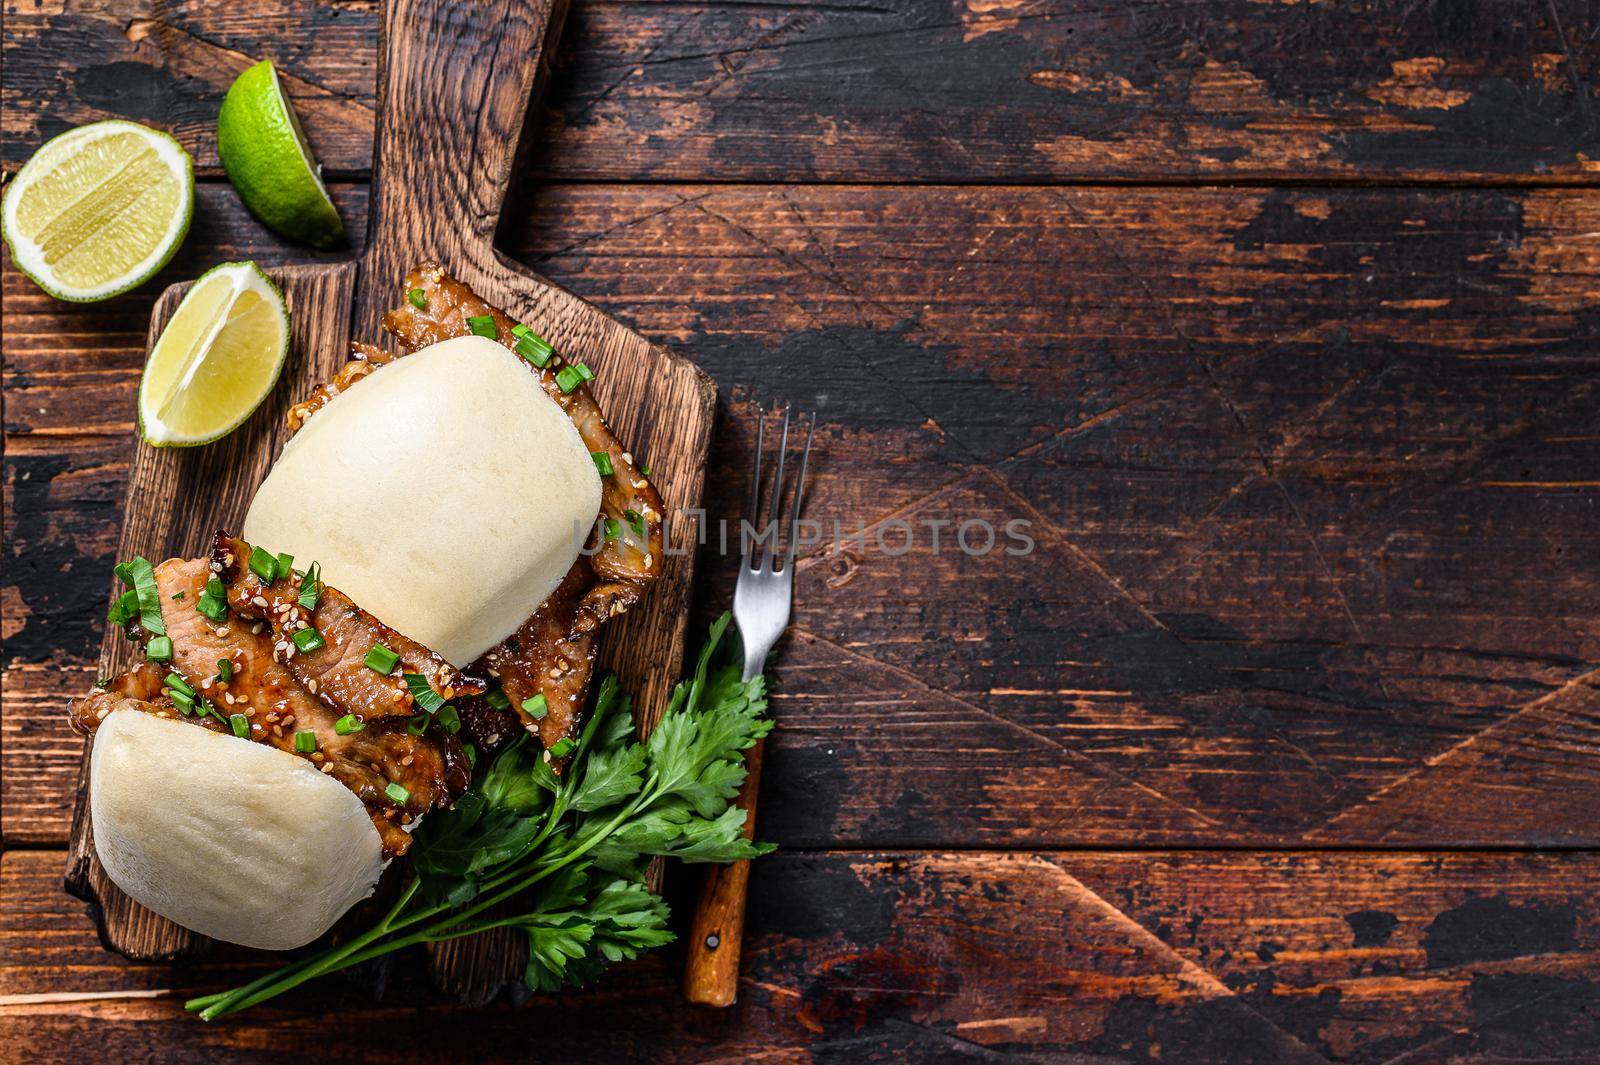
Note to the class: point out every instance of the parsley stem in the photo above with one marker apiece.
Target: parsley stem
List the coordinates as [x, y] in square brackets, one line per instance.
[212, 1006]
[365, 948]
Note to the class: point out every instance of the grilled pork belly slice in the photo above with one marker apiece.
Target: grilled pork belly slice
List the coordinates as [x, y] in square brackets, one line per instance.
[280, 696]
[336, 672]
[553, 652]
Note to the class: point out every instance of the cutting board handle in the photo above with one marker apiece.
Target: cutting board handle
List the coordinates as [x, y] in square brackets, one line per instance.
[456, 78]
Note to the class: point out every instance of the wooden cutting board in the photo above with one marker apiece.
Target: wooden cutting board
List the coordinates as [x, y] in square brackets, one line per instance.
[454, 88]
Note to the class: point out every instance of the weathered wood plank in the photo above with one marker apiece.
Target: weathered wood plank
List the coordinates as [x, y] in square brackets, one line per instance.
[1310, 472]
[1186, 956]
[898, 90]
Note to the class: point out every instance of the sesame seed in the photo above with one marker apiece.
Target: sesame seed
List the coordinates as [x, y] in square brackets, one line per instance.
[227, 697]
[259, 600]
[255, 630]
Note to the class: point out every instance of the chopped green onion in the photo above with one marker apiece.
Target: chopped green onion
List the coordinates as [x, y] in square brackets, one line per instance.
[139, 575]
[535, 349]
[563, 747]
[472, 755]
[422, 694]
[264, 564]
[635, 521]
[348, 724]
[583, 371]
[159, 649]
[240, 724]
[483, 325]
[417, 725]
[536, 707]
[311, 587]
[179, 595]
[308, 639]
[176, 682]
[124, 610]
[184, 703]
[382, 659]
[645, 470]
[449, 719]
[285, 565]
[224, 669]
[568, 378]
[602, 462]
[305, 742]
[214, 607]
[610, 527]
[519, 330]
[397, 793]
[497, 699]
[418, 298]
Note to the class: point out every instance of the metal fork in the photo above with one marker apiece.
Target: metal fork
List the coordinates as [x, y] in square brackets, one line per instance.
[761, 602]
[762, 597]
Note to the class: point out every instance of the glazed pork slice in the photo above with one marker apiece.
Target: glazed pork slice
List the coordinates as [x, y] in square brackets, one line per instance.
[277, 700]
[552, 653]
[336, 672]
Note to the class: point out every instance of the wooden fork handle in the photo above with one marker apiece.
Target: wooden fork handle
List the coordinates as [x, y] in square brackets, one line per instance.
[711, 975]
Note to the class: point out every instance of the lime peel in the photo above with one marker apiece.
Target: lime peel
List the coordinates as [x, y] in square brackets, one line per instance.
[265, 153]
[217, 358]
[112, 233]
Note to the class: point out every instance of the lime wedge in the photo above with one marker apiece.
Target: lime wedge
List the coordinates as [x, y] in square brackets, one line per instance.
[265, 153]
[99, 209]
[216, 360]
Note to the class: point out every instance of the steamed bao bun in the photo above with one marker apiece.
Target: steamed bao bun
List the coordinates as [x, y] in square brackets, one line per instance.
[446, 493]
[235, 840]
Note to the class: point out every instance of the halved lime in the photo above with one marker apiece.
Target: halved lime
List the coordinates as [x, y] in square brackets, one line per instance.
[265, 153]
[99, 209]
[216, 360]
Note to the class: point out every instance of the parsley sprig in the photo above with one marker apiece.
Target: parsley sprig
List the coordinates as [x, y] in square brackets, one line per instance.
[569, 852]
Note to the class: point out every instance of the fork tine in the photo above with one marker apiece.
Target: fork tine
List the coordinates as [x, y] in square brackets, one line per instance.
[777, 495]
[799, 493]
[755, 487]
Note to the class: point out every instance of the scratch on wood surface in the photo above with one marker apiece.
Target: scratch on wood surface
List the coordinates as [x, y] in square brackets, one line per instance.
[1516, 719]
[1100, 768]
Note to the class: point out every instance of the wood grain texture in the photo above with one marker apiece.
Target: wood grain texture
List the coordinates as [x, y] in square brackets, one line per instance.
[177, 498]
[457, 80]
[455, 89]
[1118, 366]
[897, 90]
[1311, 472]
[1031, 956]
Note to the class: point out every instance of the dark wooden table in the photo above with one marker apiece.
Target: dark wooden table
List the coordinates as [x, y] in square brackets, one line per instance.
[1278, 322]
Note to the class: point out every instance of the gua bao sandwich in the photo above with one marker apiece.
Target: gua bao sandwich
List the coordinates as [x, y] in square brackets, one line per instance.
[423, 573]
